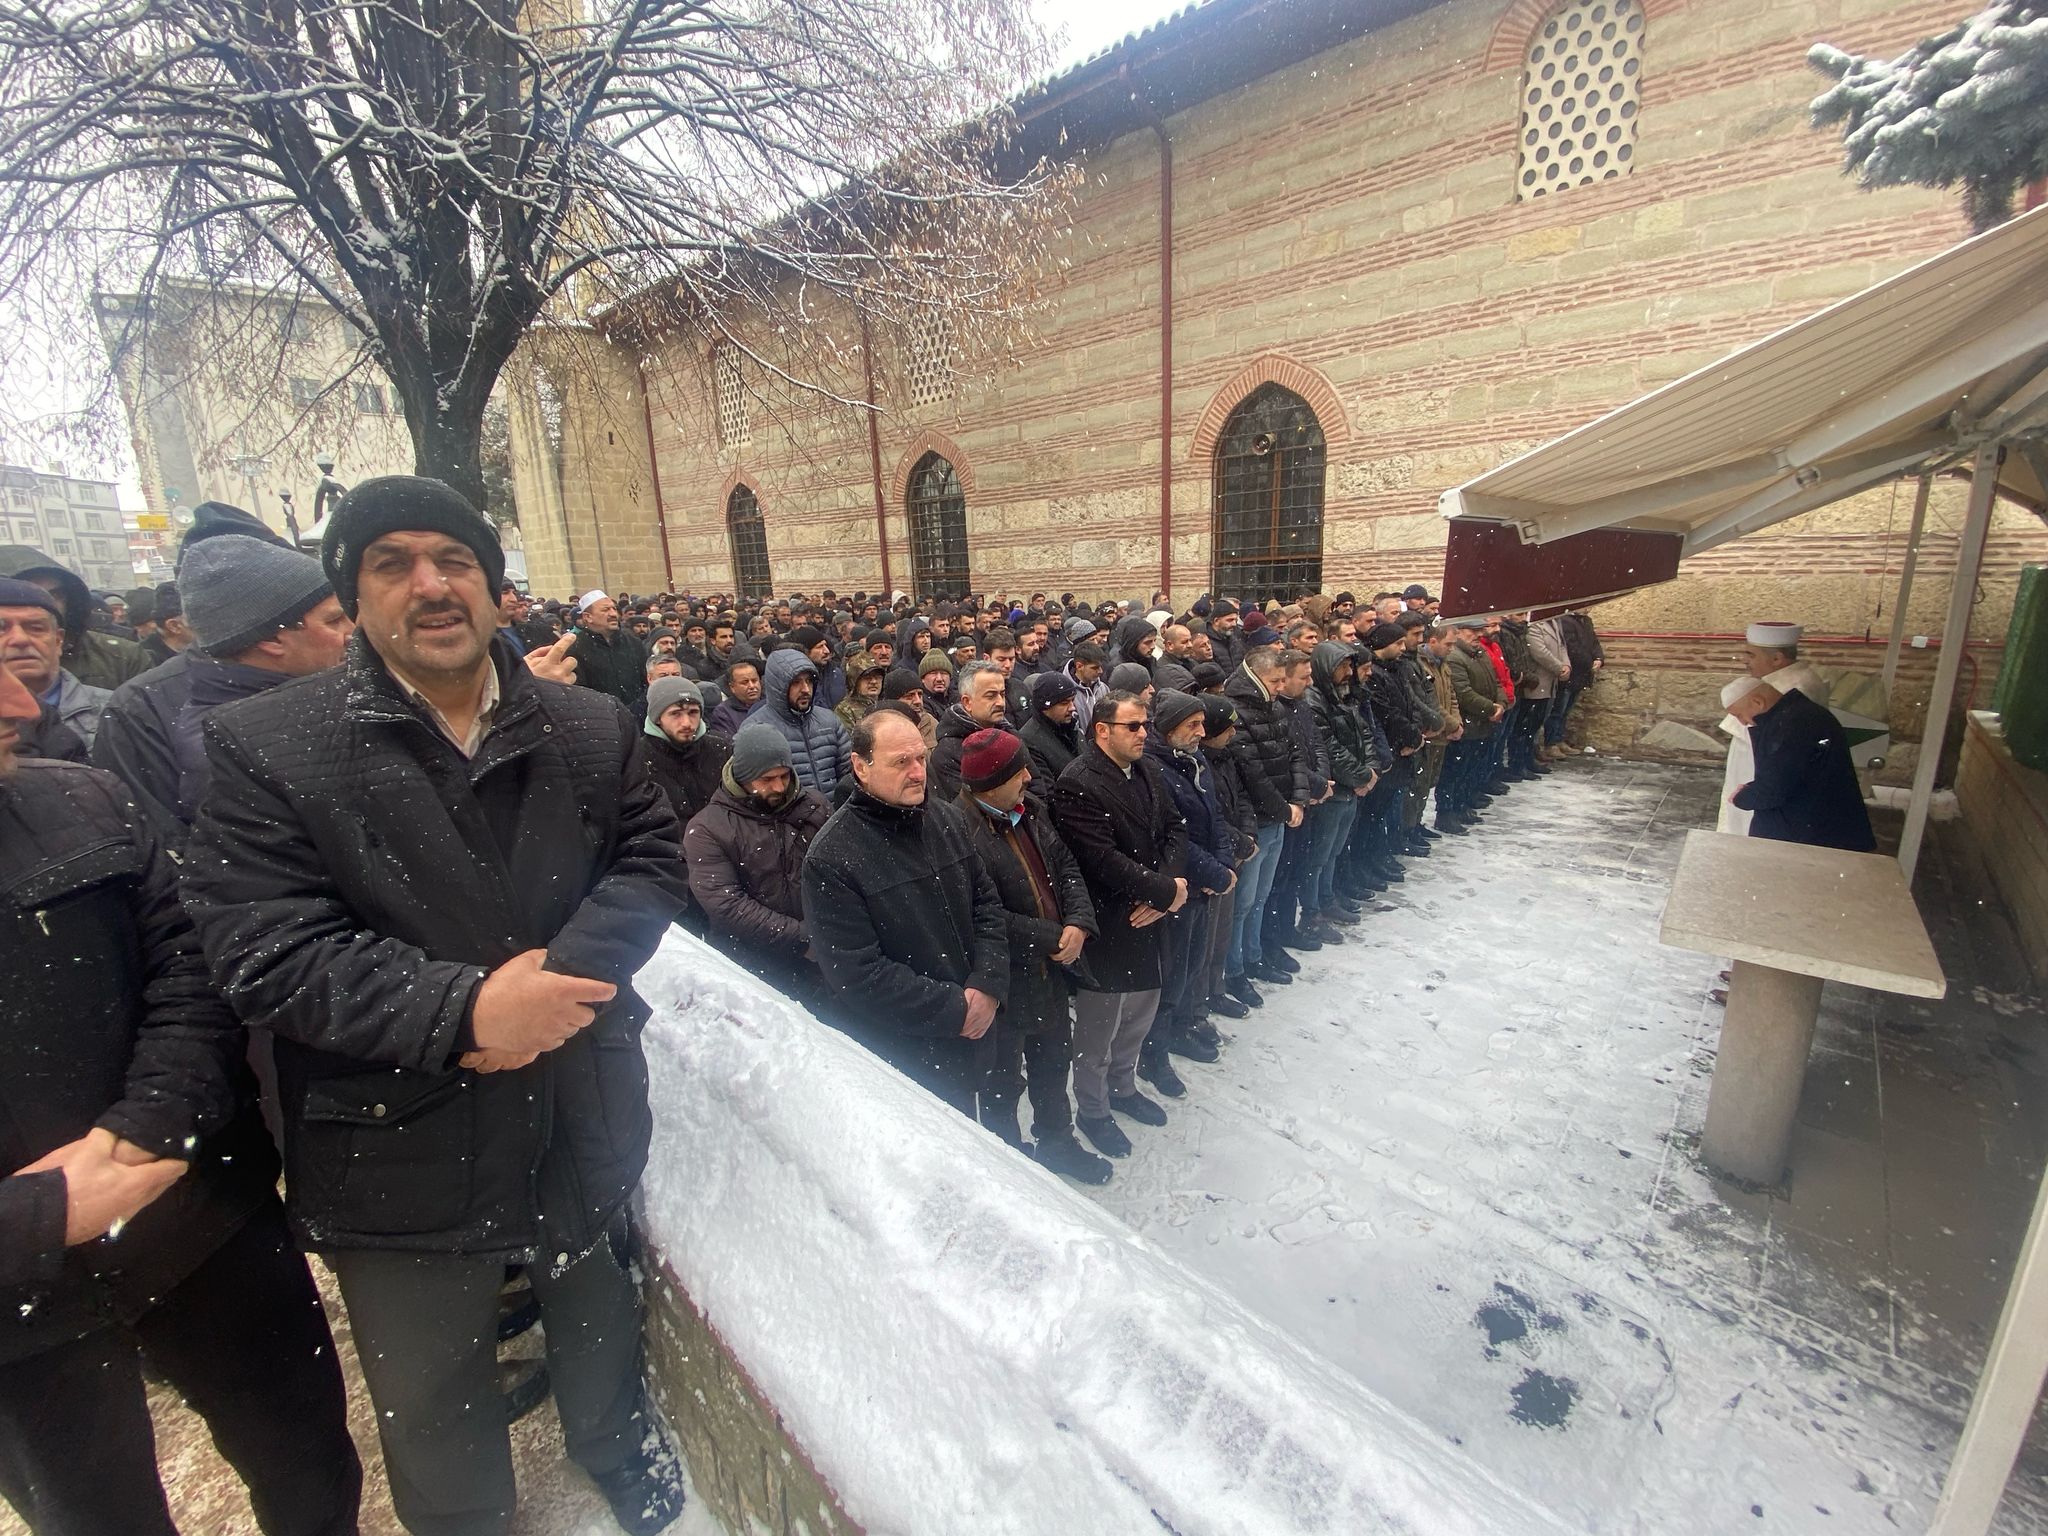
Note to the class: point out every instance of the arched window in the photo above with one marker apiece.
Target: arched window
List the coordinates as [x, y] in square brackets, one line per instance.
[749, 535]
[1580, 93]
[1268, 529]
[938, 527]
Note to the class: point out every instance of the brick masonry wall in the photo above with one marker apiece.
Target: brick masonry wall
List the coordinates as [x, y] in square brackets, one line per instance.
[743, 1461]
[1349, 227]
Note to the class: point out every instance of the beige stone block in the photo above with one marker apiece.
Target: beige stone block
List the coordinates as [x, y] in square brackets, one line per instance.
[1420, 530]
[1349, 535]
[1535, 244]
[1373, 476]
[1728, 298]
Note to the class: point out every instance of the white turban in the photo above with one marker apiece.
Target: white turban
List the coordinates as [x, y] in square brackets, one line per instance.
[1774, 636]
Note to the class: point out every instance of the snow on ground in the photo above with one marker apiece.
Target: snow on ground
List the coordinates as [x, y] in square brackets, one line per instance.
[962, 1342]
[1454, 1159]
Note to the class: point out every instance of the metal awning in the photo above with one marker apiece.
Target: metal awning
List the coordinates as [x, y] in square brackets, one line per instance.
[1908, 376]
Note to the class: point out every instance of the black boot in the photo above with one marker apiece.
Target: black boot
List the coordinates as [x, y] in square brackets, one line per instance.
[1390, 872]
[1140, 1108]
[1183, 1041]
[1241, 988]
[1205, 1032]
[1229, 1006]
[999, 1117]
[1066, 1156]
[1156, 1068]
[1105, 1135]
[1267, 974]
[646, 1491]
[1278, 959]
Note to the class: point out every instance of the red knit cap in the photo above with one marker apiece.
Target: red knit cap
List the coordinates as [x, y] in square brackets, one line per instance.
[989, 758]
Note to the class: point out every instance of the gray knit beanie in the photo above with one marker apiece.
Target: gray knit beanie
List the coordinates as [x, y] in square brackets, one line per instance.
[1169, 709]
[1130, 676]
[664, 693]
[238, 590]
[756, 749]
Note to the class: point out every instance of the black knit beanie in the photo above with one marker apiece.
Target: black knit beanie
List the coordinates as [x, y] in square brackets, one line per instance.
[402, 504]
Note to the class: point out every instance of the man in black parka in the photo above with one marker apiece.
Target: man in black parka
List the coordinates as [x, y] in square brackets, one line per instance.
[432, 877]
[138, 1209]
[905, 922]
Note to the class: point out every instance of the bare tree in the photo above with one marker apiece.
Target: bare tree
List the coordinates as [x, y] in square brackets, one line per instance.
[446, 174]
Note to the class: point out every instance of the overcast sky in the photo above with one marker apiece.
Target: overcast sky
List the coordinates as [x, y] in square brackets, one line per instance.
[1086, 27]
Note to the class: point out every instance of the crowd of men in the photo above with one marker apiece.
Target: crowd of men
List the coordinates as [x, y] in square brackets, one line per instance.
[1034, 848]
[354, 859]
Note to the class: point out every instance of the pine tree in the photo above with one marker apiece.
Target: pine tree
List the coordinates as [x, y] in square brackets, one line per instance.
[1969, 106]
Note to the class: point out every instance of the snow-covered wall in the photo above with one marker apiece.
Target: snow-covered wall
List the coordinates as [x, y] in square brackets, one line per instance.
[959, 1341]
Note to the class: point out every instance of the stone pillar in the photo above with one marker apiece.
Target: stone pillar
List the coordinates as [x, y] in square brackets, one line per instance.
[1755, 1095]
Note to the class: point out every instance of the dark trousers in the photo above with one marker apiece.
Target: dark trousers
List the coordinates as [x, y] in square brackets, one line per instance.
[1222, 916]
[1371, 840]
[244, 1341]
[1032, 1063]
[1497, 743]
[1466, 763]
[1560, 706]
[1528, 734]
[1183, 975]
[1283, 901]
[426, 1332]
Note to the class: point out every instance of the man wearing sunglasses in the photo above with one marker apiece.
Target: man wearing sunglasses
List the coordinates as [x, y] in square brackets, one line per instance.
[1116, 813]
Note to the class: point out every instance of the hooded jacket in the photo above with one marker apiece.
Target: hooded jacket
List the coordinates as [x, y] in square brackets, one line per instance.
[1131, 640]
[96, 660]
[1335, 706]
[820, 749]
[746, 865]
[853, 708]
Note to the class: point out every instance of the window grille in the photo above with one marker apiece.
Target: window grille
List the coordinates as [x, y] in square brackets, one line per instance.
[931, 358]
[1267, 532]
[938, 528]
[748, 531]
[1580, 96]
[731, 398]
[370, 399]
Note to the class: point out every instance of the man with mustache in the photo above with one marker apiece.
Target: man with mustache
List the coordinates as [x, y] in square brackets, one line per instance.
[432, 875]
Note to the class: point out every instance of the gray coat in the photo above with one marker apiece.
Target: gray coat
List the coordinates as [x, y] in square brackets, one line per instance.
[820, 749]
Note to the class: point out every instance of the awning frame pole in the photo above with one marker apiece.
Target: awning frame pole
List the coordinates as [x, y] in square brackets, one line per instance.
[1955, 634]
[1919, 525]
[2007, 1391]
